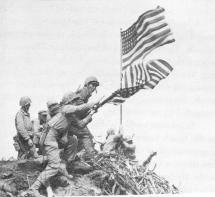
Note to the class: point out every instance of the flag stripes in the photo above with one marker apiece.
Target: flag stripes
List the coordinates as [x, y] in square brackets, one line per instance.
[134, 75]
[147, 33]
[144, 76]
[158, 70]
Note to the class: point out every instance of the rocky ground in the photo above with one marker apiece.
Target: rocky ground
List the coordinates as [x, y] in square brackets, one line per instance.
[110, 175]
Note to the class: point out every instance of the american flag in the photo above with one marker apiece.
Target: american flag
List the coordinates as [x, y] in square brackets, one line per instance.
[150, 74]
[148, 33]
[147, 77]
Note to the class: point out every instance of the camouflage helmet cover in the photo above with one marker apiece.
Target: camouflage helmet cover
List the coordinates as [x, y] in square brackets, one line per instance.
[92, 80]
[43, 112]
[25, 100]
[51, 102]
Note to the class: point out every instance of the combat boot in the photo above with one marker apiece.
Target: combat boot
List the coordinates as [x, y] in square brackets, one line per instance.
[81, 166]
[34, 189]
[63, 171]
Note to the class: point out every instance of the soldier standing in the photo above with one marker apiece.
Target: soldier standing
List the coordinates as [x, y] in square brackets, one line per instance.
[24, 129]
[85, 138]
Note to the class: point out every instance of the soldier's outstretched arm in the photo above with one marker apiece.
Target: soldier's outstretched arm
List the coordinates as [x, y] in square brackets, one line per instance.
[70, 109]
[83, 122]
[21, 127]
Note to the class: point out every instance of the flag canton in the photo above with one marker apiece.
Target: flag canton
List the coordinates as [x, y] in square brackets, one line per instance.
[129, 39]
[127, 92]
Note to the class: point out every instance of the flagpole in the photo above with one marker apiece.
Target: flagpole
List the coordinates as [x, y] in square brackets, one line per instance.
[120, 76]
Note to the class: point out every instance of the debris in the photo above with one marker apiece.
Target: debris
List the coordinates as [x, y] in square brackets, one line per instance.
[148, 160]
[4, 186]
[114, 173]
[125, 176]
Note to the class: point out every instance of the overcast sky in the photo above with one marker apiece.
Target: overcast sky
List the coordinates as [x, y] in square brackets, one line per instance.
[48, 47]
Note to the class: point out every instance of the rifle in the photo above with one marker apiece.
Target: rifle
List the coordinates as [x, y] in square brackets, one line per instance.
[100, 104]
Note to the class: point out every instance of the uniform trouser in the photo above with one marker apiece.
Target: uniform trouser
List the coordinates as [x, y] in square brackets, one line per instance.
[69, 148]
[27, 154]
[54, 165]
[85, 141]
[25, 151]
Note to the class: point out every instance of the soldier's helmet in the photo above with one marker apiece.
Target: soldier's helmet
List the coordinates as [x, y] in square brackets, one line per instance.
[25, 100]
[129, 139]
[51, 103]
[43, 113]
[69, 97]
[91, 80]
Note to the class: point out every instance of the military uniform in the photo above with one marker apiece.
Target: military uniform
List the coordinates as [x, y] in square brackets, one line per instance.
[24, 129]
[111, 143]
[39, 125]
[37, 131]
[85, 138]
[60, 136]
[129, 149]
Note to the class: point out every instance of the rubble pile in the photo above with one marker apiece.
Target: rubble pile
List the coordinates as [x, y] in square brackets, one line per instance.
[128, 177]
[112, 173]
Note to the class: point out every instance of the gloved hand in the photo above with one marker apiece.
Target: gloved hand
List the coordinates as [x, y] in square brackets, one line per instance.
[40, 128]
[89, 118]
[30, 133]
[92, 104]
[30, 143]
[92, 112]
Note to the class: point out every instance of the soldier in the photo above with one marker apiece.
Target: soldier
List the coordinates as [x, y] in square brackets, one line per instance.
[112, 141]
[116, 143]
[129, 148]
[39, 124]
[59, 132]
[85, 138]
[53, 108]
[24, 129]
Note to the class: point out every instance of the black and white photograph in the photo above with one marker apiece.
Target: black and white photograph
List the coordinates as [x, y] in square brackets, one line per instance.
[107, 97]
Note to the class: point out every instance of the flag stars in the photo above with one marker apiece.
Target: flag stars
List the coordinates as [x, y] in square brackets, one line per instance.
[129, 39]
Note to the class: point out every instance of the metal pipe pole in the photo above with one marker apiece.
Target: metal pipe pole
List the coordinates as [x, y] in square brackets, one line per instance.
[120, 75]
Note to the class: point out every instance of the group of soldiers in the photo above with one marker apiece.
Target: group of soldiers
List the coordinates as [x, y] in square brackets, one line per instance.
[60, 136]
[63, 126]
